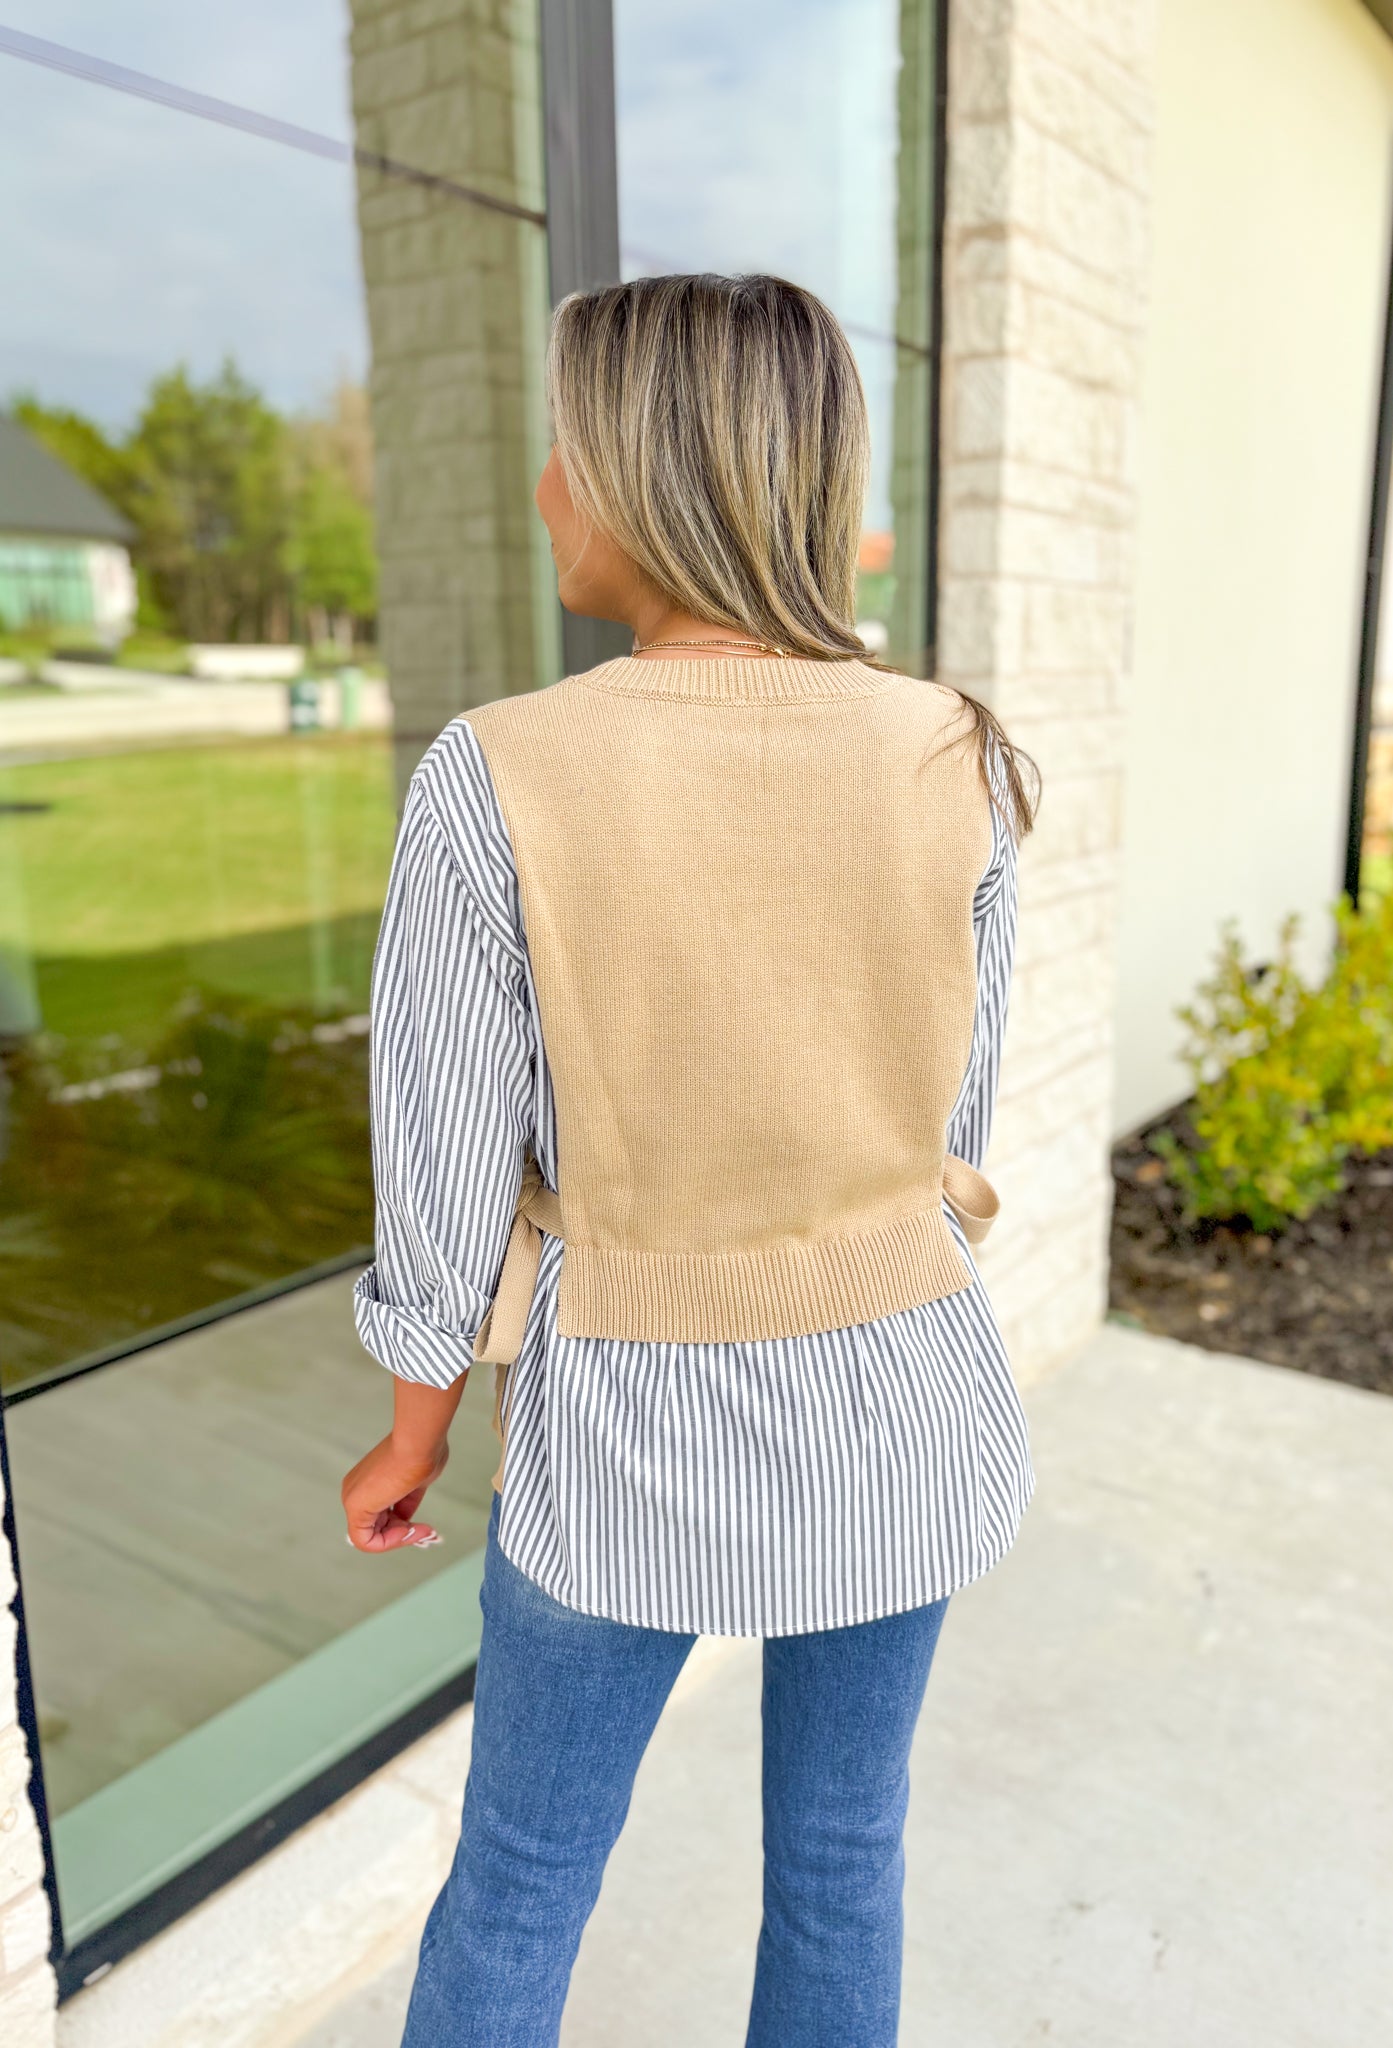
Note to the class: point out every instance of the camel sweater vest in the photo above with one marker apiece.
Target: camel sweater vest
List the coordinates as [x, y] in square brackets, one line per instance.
[746, 887]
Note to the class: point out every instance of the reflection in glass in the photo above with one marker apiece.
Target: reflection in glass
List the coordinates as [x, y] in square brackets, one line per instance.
[248, 569]
[203, 1640]
[193, 887]
[799, 140]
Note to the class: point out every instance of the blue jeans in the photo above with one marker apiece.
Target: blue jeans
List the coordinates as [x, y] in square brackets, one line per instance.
[563, 1710]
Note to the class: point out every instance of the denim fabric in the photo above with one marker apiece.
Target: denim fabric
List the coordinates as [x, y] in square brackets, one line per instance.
[563, 1710]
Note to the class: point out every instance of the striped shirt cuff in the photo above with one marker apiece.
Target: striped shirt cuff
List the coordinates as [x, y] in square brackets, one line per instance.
[410, 1342]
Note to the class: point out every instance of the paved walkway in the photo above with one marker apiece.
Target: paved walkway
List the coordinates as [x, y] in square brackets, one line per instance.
[1153, 1787]
[98, 707]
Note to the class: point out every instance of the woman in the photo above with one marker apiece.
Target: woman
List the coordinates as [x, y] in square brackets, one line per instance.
[686, 1011]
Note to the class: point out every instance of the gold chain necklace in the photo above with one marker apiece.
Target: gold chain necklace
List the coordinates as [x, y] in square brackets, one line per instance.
[756, 646]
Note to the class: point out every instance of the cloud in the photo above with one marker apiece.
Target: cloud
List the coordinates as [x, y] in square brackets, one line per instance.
[135, 237]
[750, 137]
[765, 138]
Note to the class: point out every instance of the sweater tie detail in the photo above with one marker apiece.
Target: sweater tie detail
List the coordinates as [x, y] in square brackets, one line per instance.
[968, 1193]
[970, 1196]
[500, 1334]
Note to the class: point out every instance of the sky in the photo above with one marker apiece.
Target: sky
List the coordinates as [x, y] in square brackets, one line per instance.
[134, 237]
[761, 135]
[753, 134]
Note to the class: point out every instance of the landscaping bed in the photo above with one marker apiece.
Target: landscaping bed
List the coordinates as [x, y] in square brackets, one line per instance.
[1316, 1296]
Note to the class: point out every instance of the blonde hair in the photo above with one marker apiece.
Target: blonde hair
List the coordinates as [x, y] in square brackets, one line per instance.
[714, 429]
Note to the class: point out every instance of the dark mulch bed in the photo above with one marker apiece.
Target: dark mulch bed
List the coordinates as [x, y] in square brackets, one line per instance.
[1317, 1296]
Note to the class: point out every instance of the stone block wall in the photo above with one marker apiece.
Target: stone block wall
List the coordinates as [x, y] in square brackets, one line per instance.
[457, 305]
[1378, 817]
[1050, 118]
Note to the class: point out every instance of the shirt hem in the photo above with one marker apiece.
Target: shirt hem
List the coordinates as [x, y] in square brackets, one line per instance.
[978, 1570]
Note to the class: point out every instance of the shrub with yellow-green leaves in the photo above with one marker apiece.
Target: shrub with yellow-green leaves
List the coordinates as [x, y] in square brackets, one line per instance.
[1290, 1077]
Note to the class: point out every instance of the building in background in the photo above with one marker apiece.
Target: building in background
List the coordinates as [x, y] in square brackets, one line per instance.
[1117, 279]
[64, 551]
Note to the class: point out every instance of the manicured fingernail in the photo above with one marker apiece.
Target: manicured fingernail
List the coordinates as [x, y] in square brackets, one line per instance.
[351, 1544]
[425, 1542]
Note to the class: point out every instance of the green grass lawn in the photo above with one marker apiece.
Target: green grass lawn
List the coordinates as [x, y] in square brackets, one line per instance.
[196, 910]
[256, 866]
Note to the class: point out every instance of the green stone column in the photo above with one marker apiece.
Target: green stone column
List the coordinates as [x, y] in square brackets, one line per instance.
[457, 302]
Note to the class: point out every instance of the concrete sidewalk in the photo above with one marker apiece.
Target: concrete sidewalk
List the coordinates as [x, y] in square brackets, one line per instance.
[1153, 1785]
[101, 707]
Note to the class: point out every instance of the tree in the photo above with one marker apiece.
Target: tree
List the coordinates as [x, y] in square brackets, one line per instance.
[213, 496]
[249, 526]
[332, 557]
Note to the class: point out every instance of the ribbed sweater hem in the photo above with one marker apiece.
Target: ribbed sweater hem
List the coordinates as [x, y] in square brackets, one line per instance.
[781, 1291]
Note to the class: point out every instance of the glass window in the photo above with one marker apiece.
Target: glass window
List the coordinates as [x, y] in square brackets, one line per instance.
[269, 426]
[270, 419]
[798, 139]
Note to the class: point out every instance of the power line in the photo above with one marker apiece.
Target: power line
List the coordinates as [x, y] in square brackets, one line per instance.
[226, 114]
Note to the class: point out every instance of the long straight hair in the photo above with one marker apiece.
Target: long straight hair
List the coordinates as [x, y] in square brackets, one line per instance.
[715, 430]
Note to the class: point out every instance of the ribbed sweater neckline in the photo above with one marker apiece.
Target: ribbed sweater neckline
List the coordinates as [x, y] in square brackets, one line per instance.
[740, 678]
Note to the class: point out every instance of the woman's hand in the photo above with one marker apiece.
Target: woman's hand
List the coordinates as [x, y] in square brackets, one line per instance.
[383, 1491]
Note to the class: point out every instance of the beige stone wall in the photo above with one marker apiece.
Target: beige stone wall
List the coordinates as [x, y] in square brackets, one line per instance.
[1378, 816]
[1050, 119]
[26, 1981]
[457, 311]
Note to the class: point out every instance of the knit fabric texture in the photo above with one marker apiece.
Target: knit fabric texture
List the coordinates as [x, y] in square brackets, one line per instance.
[756, 980]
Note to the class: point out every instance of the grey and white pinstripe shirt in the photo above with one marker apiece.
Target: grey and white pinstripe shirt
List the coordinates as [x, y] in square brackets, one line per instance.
[759, 1488]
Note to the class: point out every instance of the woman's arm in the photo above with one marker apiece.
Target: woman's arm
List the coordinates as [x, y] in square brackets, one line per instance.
[451, 1102]
[994, 923]
[383, 1491]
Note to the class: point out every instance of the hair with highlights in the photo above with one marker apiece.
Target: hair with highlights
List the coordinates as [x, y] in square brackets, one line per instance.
[715, 430]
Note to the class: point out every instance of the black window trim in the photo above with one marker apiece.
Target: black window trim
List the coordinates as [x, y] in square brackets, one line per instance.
[1366, 673]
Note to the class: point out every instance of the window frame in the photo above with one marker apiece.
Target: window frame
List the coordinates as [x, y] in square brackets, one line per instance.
[1372, 607]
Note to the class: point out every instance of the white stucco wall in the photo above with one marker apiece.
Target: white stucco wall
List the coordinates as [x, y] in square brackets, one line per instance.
[1271, 180]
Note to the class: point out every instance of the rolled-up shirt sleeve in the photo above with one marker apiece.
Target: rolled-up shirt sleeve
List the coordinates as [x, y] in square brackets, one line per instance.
[451, 1094]
[994, 924]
